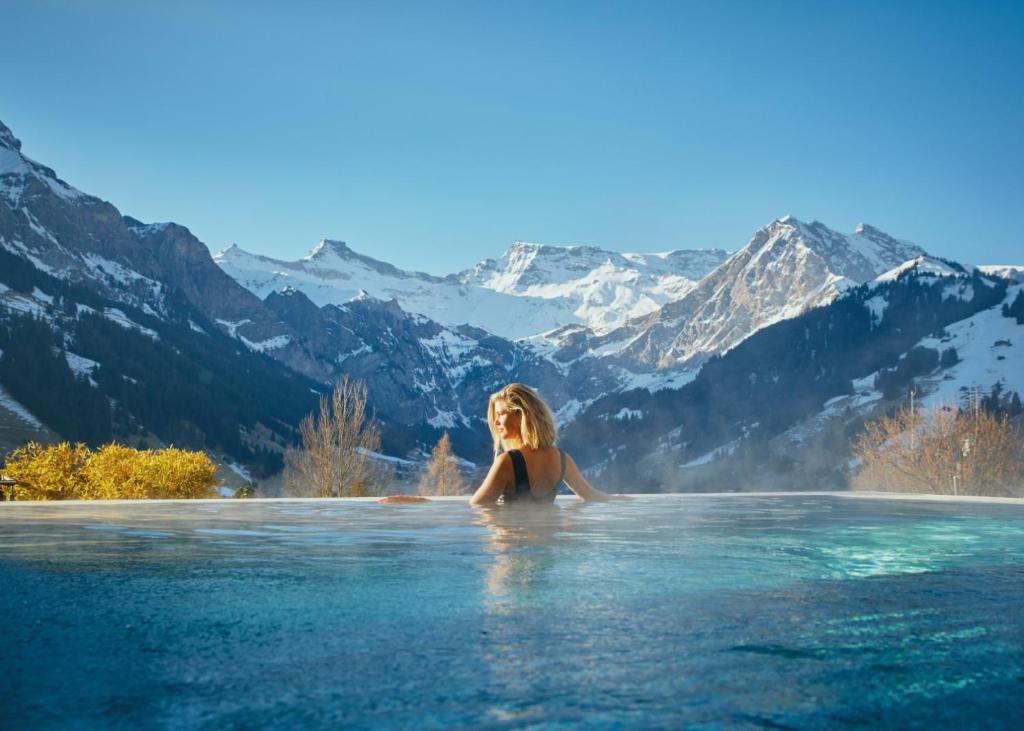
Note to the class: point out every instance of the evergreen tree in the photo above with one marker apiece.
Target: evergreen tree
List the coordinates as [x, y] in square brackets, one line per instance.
[442, 475]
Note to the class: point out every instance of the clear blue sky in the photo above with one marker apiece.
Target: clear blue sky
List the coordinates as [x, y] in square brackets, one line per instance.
[433, 134]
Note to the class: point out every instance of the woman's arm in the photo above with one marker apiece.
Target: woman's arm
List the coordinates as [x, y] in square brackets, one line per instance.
[497, 478]
[579, 485]
[403, 499]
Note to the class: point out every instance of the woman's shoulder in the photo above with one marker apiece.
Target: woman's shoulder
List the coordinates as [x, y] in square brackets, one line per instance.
[502, 460]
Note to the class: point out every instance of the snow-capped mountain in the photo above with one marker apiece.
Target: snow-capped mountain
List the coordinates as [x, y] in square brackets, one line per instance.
[78, 265]
[530, 290]
[138, 329]
[777, 411]
[641, 319]
[787, 268]
[606, 287]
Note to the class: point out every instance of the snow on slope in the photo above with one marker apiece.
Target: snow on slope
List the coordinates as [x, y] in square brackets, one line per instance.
[15, 169]
[9, 403]
[1013, 272]
[532, 289]
[991, 350]
[609, 287]
[922, 266]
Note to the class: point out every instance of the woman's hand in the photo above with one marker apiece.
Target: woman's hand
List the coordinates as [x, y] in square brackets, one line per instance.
[403, 499]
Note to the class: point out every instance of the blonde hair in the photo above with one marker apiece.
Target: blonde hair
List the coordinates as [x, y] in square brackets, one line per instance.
[537, 423]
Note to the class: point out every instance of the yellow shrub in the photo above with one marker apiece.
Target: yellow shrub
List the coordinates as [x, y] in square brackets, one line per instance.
[47, 473]
[176, 473]
[114, 471]
[64, 472]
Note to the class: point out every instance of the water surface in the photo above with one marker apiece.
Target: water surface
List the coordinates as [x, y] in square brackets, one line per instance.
[744, 611]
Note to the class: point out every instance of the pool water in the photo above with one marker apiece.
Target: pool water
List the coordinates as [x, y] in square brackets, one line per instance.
[739, 611]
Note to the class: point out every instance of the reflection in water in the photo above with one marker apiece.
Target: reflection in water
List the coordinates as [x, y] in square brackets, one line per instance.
[522, 545]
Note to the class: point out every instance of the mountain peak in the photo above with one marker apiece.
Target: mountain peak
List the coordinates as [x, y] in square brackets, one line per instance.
[233, 250]
[145, 229]
[864, 229]
[521, 247]
[328, 246]
[7, 138]
[858, 257]
[788, 223]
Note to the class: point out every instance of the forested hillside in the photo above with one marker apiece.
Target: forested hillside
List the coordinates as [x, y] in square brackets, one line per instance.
[779, 375]
[175, 377]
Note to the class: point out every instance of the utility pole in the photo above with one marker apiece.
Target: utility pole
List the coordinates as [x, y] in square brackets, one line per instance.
[913, 424]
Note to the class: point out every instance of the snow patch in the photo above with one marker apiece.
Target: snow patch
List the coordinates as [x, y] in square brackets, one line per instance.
[445, 419]
[239, 470]
[13, 301]
[8, 402]
[146, 229]
[119, 317]
[80, 365]
[232, 327]
[724, 450]
[386, 458]
[877, 306]
[278, 341]
[658, 380]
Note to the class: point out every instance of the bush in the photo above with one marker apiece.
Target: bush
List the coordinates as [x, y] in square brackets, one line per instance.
[112, 472]
[942, 450]
[73, 472]
[47, 473]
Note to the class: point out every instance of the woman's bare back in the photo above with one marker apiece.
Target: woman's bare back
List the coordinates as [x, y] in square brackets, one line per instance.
[544, 469]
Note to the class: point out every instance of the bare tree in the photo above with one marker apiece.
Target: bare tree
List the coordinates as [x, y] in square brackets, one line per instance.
[442, 475]
[942, 450]
[337, 457]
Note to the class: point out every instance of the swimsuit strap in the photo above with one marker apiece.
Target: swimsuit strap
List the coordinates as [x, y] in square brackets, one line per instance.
[519, 468]
[561, 476]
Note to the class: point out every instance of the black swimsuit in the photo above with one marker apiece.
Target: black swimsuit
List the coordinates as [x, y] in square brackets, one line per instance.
[520, 490]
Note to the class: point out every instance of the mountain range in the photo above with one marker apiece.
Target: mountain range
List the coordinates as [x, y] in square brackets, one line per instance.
[530, 290]
[610, 338]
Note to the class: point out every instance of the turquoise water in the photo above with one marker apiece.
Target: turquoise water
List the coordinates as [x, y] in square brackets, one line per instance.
[798, 611]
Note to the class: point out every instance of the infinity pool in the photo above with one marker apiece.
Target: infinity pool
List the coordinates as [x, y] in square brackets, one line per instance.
[739, 611]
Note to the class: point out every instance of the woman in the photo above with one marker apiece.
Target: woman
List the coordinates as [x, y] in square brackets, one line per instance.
[527, 467]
